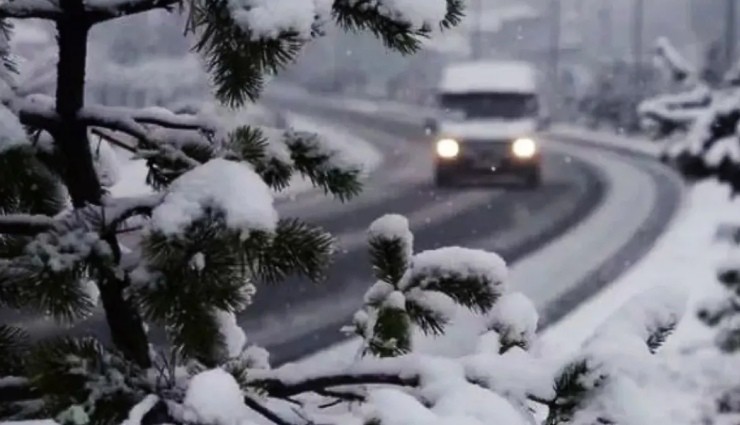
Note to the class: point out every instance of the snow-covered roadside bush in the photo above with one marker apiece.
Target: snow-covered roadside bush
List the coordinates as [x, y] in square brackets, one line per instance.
[672, 114]
[701, 127]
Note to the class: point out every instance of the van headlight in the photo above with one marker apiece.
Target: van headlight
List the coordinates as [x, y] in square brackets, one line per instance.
[448, 148]
[524, 148]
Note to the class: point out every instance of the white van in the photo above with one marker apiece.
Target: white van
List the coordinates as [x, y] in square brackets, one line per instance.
[490, 111]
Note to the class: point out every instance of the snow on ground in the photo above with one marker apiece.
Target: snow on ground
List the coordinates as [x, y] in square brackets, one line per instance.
[133, 173]
[686, 256]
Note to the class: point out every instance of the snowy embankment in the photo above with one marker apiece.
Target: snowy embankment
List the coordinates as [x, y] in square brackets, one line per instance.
[132, 173]
[685, 258]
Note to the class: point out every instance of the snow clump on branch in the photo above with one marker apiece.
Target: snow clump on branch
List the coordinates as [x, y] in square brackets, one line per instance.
[228, 187]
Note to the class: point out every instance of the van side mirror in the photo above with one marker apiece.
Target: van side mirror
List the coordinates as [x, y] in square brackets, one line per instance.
[430, 126]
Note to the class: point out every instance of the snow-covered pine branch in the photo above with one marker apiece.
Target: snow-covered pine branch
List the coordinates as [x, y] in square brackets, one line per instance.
[673, 114]
[419, 289]
[30, 9]
[681, 70]
[618, 367]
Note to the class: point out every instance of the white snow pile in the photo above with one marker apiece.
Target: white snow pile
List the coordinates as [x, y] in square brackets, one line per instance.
[417, 13]
[214, 397]
[459, 263]
[393, 227]
[233, 334]
[11, 130]
[226, 187]
[268, 19]
[514, 318]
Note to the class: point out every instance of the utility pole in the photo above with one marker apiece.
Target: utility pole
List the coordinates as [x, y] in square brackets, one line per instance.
[730, 33]
[477, 30]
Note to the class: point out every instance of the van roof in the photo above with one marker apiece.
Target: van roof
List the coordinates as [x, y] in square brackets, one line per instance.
[489, 76]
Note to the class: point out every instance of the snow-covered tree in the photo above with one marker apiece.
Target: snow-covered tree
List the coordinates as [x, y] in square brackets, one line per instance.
[610, 99]
[672, 114]
[701, 127]
[208, 234]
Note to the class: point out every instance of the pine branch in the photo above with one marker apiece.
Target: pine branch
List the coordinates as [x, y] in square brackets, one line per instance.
[264, 411]
[314, 160]
[237, 62]
[365, 15]
[25, 224]
[82, 372]
[572, 386]
[105, 135]
[251, 145]
[391, 335]
[469, 291]
[277, 388]
[294, 248]
[431, 321]
[39, 112]
[111, 216]
[158, 117]
[13, 343]
[30, 9]
[28, 185]
[389, 258]
[659, 335]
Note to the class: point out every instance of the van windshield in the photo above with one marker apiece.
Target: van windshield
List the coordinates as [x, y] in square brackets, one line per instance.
[490, 105]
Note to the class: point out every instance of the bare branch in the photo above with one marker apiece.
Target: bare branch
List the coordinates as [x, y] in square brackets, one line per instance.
[25, 224]
[29, 9]
[39, 111]
[279, 384]
[115, 9]
[105, 135]
[121, 209]
[114, 213]
[278, 388]
[99, 115]
[264, 411]
[36, 111]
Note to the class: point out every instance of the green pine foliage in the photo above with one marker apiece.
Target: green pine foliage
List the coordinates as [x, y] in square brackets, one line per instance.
[56, 252]
[404, 295]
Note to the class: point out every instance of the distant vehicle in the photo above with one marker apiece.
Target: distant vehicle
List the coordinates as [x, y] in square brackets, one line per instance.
[490, 111]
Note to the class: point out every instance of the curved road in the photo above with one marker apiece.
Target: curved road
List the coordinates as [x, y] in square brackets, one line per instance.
[625, 199]
[597, 212]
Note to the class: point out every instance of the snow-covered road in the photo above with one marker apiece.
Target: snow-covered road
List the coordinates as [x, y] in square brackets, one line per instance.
[599, 210]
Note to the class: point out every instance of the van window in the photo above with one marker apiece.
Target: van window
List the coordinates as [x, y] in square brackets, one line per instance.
[490, 105]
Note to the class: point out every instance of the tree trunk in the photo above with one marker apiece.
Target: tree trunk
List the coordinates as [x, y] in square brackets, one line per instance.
[124, 323]
[71, 136]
